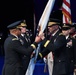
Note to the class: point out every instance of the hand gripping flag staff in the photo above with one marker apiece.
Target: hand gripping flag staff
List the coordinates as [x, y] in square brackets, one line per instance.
[42, 25]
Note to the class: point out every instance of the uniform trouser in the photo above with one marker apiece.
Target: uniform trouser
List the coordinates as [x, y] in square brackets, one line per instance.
[18, 71]
[50, 63]
[25, 61]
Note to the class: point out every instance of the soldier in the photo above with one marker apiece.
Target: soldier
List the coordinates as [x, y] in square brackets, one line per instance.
[70, 48]
[25, 40]
[58, 47]
[64, 52]
[14, 49]
[54, 30]
[73, 30]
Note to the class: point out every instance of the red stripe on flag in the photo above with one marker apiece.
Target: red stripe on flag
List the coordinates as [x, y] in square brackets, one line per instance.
[66, 13]
[66, 3]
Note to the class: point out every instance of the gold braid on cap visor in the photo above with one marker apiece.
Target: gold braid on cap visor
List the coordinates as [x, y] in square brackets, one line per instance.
[52, 23]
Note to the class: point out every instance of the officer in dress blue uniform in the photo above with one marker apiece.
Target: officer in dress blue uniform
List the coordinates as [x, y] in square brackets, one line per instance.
[54, 31]
[14, 49]
[64, 52]
[58, 47]
[25, 40]
[70, 47]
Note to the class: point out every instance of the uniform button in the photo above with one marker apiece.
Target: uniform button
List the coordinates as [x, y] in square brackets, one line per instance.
[71, 60]
[59, 60]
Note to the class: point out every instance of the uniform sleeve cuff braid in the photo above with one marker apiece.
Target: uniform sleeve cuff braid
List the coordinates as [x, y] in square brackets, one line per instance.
[40, 55]
[34, 45]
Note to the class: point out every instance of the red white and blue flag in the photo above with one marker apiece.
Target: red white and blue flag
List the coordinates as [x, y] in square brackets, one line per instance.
[66, 11]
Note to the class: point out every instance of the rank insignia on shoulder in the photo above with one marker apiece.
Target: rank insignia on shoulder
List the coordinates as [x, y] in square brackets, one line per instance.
[14, 39]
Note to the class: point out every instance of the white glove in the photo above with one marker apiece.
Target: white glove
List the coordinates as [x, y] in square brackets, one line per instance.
[45, 60]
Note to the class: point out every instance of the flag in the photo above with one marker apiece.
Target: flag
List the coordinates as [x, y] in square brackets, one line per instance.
[44, 19]
[66, 11]
[42, 25]
[45, 16]
[31, 66]
[32, 63]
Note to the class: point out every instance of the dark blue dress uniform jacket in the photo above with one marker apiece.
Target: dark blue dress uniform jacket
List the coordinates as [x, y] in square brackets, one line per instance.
[13, 50]
[71, 54]
[25, 59]
[58, 47]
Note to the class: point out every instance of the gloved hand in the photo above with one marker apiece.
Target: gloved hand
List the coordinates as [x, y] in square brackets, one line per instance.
[45, 60]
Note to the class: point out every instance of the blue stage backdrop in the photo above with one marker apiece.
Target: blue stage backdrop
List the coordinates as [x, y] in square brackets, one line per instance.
[1, 64]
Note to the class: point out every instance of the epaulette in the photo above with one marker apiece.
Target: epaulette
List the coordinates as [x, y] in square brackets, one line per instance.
[61, 34]
[33, 46]
[14, 39]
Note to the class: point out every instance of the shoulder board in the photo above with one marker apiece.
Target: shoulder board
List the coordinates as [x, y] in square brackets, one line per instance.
[14, 39]
[61, 34]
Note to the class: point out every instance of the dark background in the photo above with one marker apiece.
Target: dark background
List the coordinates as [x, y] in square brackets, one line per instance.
[13, 10]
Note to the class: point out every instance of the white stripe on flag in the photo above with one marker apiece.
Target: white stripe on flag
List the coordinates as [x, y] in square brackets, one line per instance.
[45, 16]
[66, 11]
[68, 1]
[67, 8]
